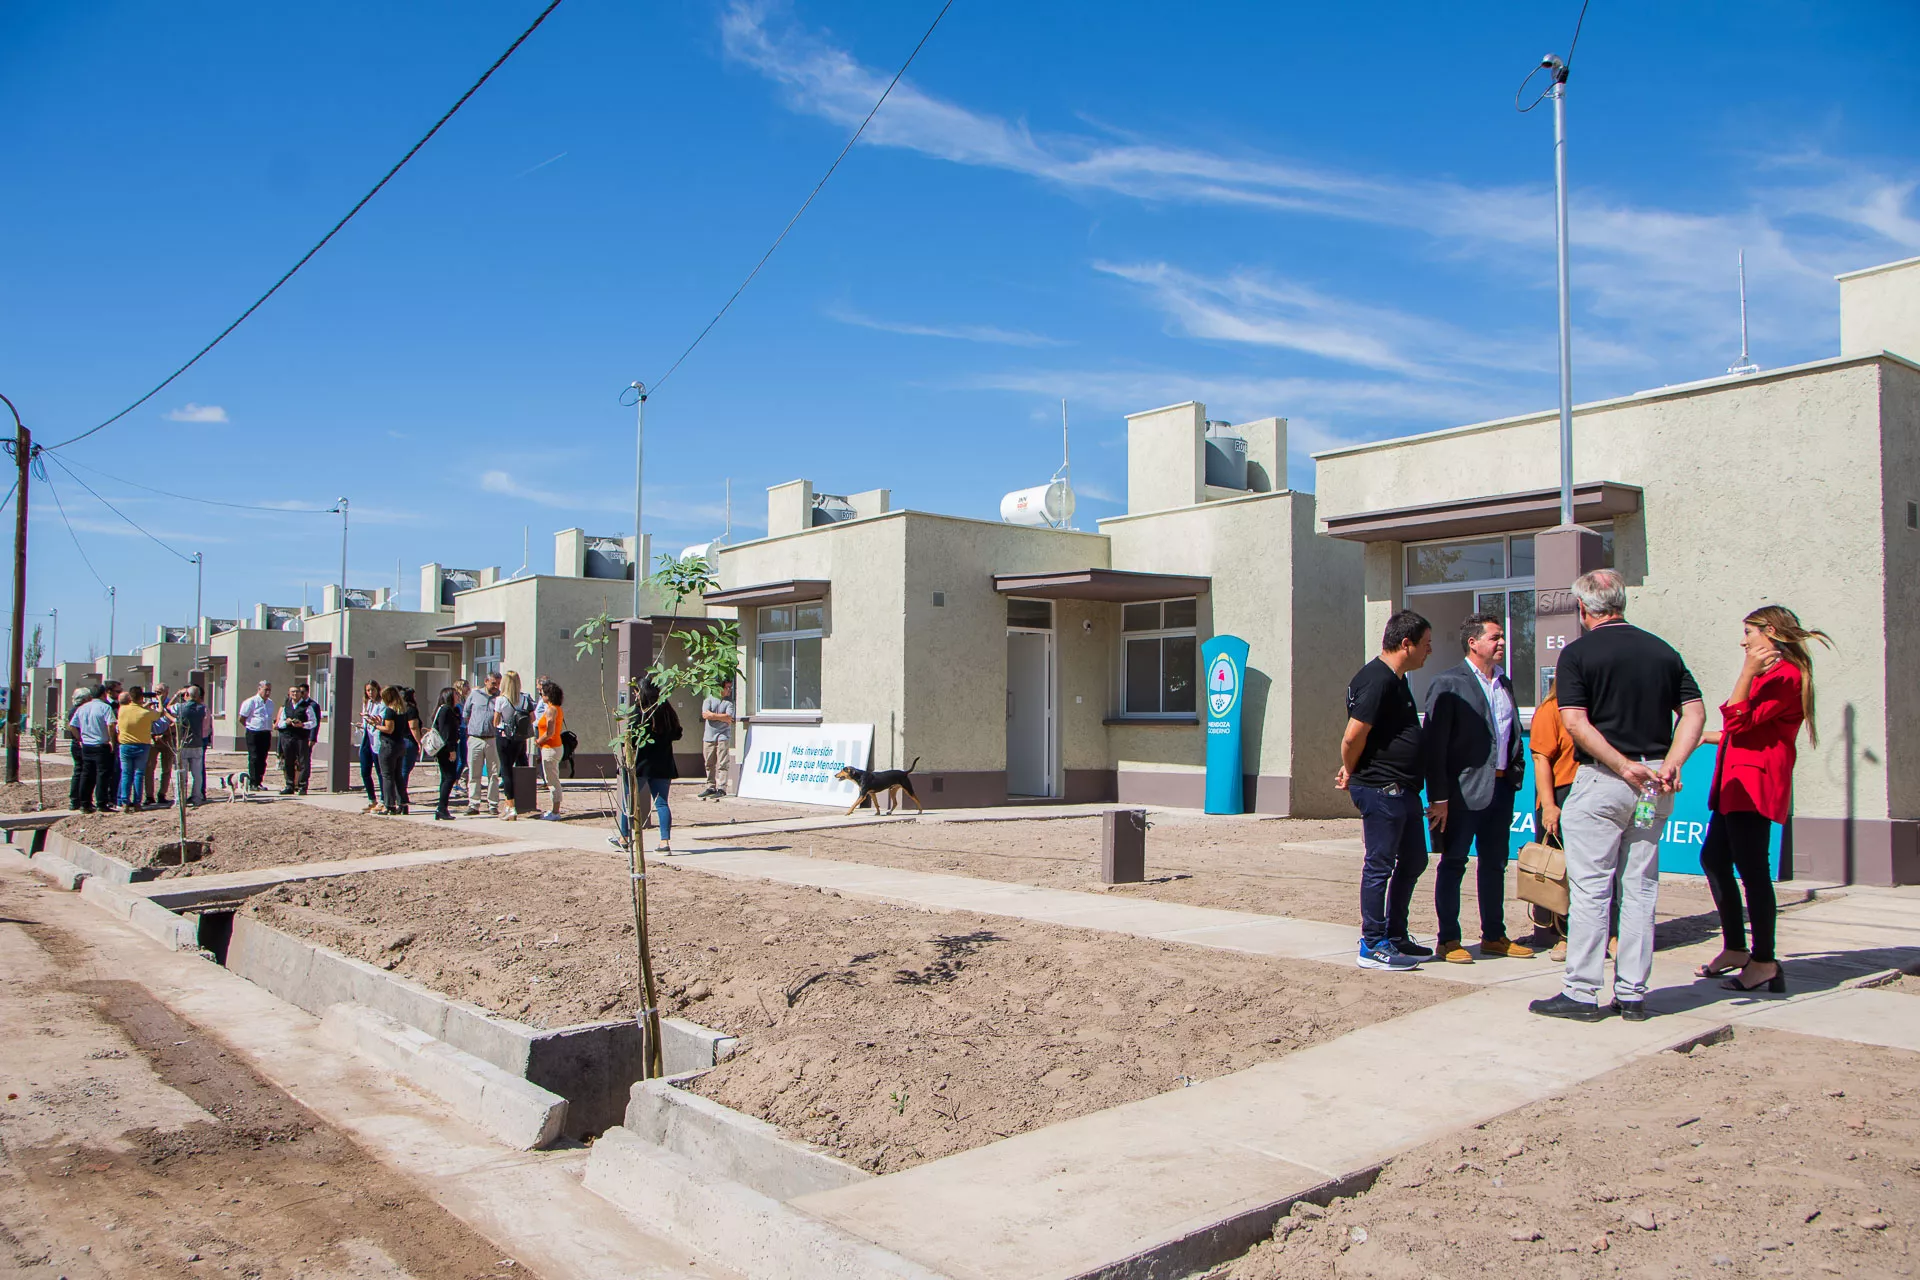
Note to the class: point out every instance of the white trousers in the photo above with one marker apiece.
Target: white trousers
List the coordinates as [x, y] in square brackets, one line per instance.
[1596, 824]
[482, 753]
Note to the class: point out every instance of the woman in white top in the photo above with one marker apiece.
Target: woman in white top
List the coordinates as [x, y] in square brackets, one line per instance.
[372, 712]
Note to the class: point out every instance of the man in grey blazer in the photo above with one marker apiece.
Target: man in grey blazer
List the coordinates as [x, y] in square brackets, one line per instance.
[1475, 757]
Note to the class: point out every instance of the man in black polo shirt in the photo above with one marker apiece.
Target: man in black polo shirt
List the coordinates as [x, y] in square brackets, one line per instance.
[1380, 767]
[1635, 715]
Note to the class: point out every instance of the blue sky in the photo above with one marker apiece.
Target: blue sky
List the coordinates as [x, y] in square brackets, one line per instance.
[1331, 215]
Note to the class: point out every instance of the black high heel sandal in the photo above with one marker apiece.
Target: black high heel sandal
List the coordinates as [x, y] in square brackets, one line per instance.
[1776, 985]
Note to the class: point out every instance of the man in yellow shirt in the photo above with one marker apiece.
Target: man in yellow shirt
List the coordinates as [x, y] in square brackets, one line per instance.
[136, 742]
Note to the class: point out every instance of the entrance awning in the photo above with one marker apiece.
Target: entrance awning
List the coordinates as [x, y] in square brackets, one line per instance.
[1499, 513]
[310, 649]
[434, 646]
[1115, 586]
[791, 591]
[470, 630]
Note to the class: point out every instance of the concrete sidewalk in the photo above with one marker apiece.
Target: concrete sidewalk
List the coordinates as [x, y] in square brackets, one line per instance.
[529, 1202]
[225, 886]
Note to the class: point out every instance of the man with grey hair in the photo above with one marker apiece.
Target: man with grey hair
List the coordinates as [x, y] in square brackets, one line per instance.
[1635, 715]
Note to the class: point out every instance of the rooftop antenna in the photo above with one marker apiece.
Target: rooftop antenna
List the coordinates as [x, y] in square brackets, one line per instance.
[525, 532]
[1746, 364]
[1065, 473]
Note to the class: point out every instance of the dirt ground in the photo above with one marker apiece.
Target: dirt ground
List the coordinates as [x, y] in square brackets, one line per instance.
[889, 1035]
[260, 833]
[595, 805]
[131, 1143]
[1240, 864]
[24, 796]
[1768, 1155]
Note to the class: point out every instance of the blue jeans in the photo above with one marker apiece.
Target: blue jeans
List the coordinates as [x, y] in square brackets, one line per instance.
[133, 771]
[1484, 833]
[369, 766]
[1394, 832]
[659, 788]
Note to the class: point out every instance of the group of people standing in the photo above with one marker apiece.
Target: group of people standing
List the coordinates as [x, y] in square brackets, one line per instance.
[127, 744]
[476, 737]
[1607, 746]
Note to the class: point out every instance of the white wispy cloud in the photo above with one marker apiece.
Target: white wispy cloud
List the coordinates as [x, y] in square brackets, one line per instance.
[960, 332]
[665, 513]
[503, 482]
[1659, 276]
[191, 412]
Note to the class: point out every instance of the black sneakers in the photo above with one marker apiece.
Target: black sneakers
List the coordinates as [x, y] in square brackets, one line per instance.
[1565, 1006]
[1408, 947]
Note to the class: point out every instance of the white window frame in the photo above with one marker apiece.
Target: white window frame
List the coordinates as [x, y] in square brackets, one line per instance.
[762, 637]
[489, 655]
[1474, 586]
[1163, 633]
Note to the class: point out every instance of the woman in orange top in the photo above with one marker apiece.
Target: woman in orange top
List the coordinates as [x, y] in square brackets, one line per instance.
[1553, 770]
[547, 731]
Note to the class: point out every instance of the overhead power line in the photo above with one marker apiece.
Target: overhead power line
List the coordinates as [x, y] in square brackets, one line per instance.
[887, 92]
[149, 534]
[333, 231]
[211, 502]
[61, 507]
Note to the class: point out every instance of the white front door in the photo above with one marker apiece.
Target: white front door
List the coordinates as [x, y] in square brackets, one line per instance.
[1030, 713]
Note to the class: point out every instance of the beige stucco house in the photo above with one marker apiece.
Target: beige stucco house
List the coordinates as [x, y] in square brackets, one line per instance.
[1018, 662]
[1798, 486]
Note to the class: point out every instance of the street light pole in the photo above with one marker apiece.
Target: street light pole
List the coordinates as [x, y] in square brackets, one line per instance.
[639, 390]
[199, 584]
[113, 615]
[342, 509]
[1559, 95]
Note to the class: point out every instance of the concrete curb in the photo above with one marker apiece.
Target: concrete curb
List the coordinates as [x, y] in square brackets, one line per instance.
[176, 932]
[103, 866]
[592, 1065]
[59, 870]
[522, 1115]
[728, 1144]
[733, 1224]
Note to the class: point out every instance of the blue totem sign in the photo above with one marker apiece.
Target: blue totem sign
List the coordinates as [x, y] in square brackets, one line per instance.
[1224, 659]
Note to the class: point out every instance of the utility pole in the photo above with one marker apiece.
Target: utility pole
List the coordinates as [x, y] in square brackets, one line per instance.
[113, 616]
[639, 390]
[23, 459]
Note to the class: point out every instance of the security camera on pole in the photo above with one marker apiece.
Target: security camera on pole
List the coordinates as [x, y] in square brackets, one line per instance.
[1568, 550]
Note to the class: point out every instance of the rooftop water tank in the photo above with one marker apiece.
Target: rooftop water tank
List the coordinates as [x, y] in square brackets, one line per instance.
[1045, 505]
[1226, 456]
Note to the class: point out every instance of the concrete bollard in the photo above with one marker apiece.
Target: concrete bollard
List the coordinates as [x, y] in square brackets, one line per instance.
[1123, 846]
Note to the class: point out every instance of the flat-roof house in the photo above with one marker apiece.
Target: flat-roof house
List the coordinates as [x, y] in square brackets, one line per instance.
[1798, 486]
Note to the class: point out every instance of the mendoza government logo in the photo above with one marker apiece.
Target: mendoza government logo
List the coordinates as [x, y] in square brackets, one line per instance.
[769, 762]
[1223, 686]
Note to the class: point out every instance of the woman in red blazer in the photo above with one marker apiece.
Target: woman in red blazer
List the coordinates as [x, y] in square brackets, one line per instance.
[1753, 789]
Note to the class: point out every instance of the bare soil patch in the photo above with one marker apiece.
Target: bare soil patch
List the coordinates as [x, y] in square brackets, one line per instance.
[98, 1184]
[1239, 864]
[1768, 1155]
[259, 834]
[595, 805]
[889, 1035]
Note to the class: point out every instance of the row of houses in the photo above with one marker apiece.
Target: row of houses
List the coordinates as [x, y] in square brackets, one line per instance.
[1015, 661]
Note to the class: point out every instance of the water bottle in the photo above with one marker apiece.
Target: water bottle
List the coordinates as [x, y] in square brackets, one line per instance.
[1643, 807]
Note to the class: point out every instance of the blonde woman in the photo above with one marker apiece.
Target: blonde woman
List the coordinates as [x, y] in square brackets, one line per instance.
[512, 726]
[1753, 789]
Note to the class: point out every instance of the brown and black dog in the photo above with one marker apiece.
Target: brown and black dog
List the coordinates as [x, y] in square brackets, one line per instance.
[872, 782]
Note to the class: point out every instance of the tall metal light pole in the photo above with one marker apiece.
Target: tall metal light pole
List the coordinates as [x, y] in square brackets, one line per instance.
[342, 509]
[113, 616]
[1558, 92]
[199, 583]
[639, 390]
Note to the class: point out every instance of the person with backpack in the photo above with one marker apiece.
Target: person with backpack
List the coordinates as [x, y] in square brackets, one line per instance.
[512, 725]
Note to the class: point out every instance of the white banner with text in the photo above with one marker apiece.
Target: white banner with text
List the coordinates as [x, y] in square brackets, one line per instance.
[797, 762]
